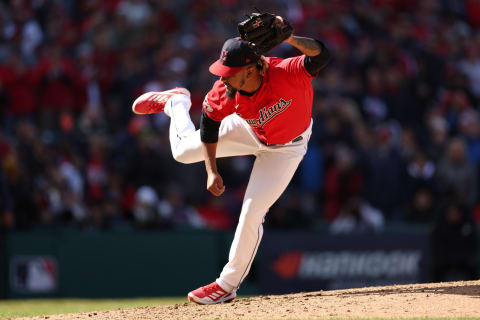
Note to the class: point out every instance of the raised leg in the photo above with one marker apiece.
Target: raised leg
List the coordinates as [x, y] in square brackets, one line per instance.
[235, 136]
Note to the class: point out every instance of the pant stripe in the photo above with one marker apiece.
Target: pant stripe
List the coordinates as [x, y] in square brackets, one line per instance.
[251, 258]
[172, 117]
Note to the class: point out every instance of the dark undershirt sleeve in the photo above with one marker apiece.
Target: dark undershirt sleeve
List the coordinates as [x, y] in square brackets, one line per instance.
[314, 64]
[208, 129]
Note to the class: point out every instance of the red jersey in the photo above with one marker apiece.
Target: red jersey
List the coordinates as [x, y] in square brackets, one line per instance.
[279, 111]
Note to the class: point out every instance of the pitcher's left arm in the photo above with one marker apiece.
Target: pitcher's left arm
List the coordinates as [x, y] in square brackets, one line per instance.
[317, 54]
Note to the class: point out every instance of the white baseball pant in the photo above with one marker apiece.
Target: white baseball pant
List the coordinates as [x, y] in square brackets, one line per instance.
[272, 171]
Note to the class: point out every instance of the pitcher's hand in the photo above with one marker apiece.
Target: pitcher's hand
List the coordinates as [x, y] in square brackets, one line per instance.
[215, 184]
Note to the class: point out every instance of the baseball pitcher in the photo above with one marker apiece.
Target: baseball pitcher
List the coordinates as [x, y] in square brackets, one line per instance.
[259, 106]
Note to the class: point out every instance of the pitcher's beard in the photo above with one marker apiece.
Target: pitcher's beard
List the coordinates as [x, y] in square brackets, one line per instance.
[230, 92]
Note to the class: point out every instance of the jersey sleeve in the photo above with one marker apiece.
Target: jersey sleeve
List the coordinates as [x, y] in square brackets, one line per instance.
[313, 64]
[295, 68]
[216, 103]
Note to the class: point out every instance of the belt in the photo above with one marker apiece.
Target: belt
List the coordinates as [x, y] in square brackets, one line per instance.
[299, 138]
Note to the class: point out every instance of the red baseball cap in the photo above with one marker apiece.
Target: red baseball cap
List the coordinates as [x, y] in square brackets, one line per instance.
[236, 53]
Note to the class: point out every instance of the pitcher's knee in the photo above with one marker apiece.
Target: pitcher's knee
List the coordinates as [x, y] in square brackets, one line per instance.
[182, 157]
[179, 157]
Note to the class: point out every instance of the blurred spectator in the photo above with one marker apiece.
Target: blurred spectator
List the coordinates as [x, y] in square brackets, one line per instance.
[146, 209]
[421, 183]
[470, 65]
[343, 181]
[456, 175]
[96, 170]
[469, 124]
[453, 104]
[454, 245]
[19, 84]
[438, 132]
[7, 221]
[60, 84]
[358, 216]
[385, 168]
[24, 212]
[144, 160]
[175, 209]
[287, 213]
[420, 172]
[215, 215]
[421, 208]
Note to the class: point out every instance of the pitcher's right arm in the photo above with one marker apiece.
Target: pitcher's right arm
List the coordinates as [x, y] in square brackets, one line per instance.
[214, 179]
[209, 136]
[216, 106]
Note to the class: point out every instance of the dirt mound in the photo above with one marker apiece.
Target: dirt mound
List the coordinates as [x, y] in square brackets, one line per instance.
[449, 299]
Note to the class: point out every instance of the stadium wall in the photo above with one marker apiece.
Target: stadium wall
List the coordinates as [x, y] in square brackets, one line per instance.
[70, 263]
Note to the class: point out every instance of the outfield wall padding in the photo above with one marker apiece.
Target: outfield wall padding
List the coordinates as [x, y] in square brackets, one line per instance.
[65, 262]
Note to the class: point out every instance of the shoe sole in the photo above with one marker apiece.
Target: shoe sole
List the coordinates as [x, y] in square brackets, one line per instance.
[228, 299]
[143, 97]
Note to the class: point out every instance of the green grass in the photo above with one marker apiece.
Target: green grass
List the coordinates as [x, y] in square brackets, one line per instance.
[37, 307]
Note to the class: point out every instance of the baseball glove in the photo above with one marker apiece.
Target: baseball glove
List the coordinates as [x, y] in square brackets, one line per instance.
[263, 32]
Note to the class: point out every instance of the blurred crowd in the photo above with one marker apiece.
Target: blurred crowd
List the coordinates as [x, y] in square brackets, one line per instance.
[396, 115]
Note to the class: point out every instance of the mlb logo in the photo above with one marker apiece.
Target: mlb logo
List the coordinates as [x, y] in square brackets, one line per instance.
[33, 274]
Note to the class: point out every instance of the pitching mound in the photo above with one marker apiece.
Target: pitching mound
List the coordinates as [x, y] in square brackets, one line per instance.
[449, 299]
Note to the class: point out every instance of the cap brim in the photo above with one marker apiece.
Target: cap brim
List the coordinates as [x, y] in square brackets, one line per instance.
[218, 69]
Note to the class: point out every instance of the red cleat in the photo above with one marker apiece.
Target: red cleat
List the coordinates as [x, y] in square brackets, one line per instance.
[211, 294]
[154, 102]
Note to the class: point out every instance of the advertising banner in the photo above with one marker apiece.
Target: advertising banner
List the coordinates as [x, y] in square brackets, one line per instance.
[33, 274]
[293, 262]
